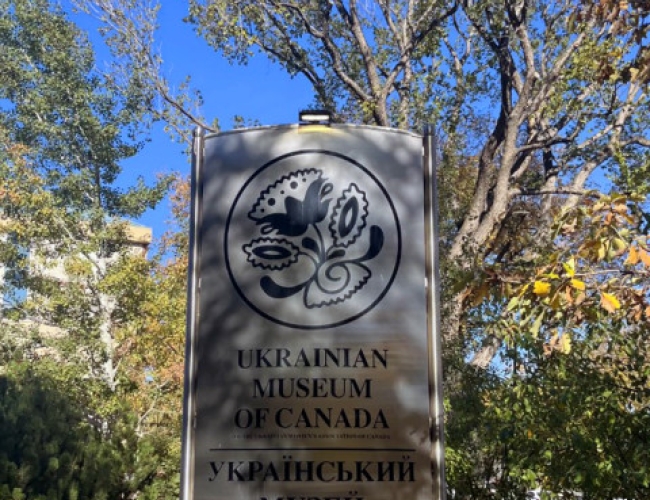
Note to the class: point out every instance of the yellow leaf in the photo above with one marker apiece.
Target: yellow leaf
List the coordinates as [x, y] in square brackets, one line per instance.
[619, 245]
[645, 257]
[620, 206]
[569, 228]
[565, 344]
[609, 302]
[632, 257]
[577, 284]
[541, 288]
[570, 267]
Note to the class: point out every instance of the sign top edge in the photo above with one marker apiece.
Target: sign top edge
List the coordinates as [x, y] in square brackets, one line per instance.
[295, 126]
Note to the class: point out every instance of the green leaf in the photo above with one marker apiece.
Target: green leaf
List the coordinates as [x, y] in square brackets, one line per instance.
[512, 303]
[570, 267]
[537, 324]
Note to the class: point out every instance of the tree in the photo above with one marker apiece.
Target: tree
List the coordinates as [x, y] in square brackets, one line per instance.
[536, 102]
[152, 341]
[49, 448]
[135, 69]
[569, 404]
[562, 85]
[64, 129]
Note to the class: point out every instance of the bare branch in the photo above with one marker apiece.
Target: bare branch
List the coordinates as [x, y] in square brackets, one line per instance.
[372, 73]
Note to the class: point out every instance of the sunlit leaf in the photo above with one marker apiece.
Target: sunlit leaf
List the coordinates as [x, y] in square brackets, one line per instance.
[513, 303]
[570, 267]
[541, 288]
[564, 345]
[633, 71]
[619, 245]
[609, 302]
[633, 257]
[537, 325]
[577, 284]
[645, 257]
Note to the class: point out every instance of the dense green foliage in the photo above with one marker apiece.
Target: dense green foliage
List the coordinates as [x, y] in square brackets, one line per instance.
[51, 448]
[68, 426]
[72, 120]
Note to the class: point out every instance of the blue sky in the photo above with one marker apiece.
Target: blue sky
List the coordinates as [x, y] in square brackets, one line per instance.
[258, 91]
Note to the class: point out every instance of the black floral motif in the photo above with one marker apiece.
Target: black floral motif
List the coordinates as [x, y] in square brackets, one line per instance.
[349, 216]
[333, 240]
[271, 253]
[298, 213]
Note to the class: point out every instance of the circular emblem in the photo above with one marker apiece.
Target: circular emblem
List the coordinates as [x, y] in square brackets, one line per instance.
[312, 240]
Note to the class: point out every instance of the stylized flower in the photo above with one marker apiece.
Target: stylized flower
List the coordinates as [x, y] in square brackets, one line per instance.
[308, 206]
[288, 207]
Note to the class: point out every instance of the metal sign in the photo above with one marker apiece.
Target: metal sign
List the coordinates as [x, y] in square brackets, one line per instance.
[308, 360]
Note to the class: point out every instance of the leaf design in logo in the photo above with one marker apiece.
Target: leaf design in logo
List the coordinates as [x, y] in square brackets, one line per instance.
[292, 203]
[349, 216]
[335, 284]
[271, 253]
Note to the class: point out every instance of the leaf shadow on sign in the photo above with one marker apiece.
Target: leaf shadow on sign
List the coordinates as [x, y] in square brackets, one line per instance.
[248, 364]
